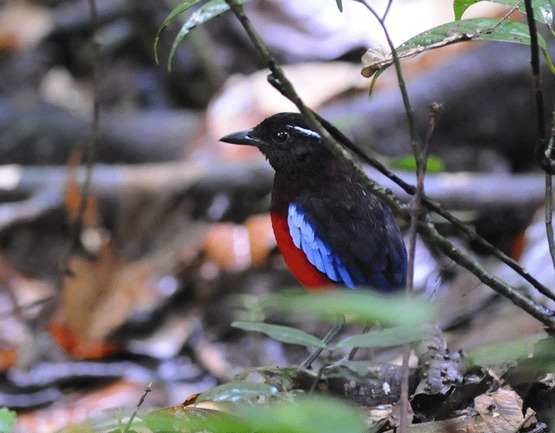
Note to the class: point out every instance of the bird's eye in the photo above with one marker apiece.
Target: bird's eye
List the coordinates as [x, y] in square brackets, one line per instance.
[281, 137]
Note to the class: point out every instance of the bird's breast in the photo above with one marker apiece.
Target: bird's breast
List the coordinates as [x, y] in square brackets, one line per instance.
[307, 274]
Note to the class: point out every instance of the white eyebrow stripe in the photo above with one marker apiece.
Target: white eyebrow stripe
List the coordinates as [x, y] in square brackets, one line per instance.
[306, 132]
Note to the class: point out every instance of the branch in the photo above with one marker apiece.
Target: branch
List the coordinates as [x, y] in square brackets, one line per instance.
[544, 151]
[482, 191]
[92, 144]
[416, 202]
[148, 390]
[543, 159]
[286, 88]
[469, 232]
[414, 140]
[548, 199]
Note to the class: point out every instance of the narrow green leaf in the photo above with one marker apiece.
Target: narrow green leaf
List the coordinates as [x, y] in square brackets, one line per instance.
[408, 163]
[374, 81]
[7, 420]
[340, 5]
[285, 334]
[365, 306]
[181, 8]
[235, 392]
[543, 9]
[205, 13]
[396, 336]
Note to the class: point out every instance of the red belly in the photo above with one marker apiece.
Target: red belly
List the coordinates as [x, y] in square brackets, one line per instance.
[296, 261]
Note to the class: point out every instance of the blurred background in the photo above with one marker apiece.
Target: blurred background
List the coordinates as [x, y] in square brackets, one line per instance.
[176, 231]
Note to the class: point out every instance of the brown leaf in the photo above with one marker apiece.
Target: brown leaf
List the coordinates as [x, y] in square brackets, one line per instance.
[501, 410]
[73, 196]
[236, 247]
[98, 299]
[74, 409]
[8, 356]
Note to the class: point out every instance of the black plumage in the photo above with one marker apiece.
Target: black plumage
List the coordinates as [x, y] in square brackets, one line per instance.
[350, 220]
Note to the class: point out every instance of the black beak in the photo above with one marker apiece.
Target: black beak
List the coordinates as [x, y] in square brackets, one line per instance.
[241, 137]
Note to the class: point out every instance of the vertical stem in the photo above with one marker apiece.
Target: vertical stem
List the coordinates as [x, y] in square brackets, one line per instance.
[548, 200]
[90, 151]
[147, 391]
[543, 149]
[548, 208]
[536, 73]
[414, 141]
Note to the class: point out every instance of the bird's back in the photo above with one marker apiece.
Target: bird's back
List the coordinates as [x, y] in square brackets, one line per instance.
[345, 233]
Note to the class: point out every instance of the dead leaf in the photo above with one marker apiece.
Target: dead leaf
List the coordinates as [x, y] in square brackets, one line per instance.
[75, 409]
[24, 24]
[99, 298]
[8, 356]
[235, 247]
[73, 196]
[502, 410]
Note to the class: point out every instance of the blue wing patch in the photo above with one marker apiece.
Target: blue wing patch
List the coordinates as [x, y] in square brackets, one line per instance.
[317, 252]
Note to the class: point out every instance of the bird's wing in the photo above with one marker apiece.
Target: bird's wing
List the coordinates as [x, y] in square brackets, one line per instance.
[317, 251]
[354, 240]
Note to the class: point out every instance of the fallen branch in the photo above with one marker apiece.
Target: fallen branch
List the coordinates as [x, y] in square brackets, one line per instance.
[461, 191]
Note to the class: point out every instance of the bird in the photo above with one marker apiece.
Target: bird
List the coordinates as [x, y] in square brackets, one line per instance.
[331, 230]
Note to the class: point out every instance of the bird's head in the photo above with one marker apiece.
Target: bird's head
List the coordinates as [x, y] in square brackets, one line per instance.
[285, 139]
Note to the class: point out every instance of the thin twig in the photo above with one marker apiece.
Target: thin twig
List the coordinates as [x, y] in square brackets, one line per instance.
[543, 148]
[515, 295]
[76, 228]
[548, 208]
[415, 211]
[467, 231]
[536, 83]
[279, 80]
[387, 9]
[90, 153]
[148, 390]
[548, 199]
[18, 310]
[470, 233]
[416, 202]
[404, 402]
[414, 140]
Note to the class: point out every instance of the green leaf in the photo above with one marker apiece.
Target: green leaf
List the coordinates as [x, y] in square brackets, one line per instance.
[308, 415]
[205, 13]
[340, 5]
[285, 334]
[543, 9]
[480, 29]
[304, 415]
[396, 336]
[181, 8]
[408, 163]
[193, 420]
[7, 420]
[489, 29]
[235, 392]
[459, 6]
[366, 306]
[503, 353]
